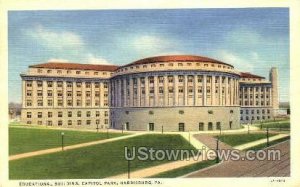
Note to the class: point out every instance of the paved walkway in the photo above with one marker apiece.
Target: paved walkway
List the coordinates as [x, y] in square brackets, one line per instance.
[261, 141]
[247, 168]
[59, 149]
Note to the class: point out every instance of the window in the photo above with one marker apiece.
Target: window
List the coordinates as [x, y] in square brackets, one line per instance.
[95, 73]
[105, 113]
[59, 84]
[218, 125]
[105, 85]
[79, 114]
[49, 71]
[78, 122]
[60, 102]
[50, 102]
[88, 114]
[201, 126]
[69, 94]
[49, 84]
[28, 83]
[180, 78]
[39, 83]
[69, 114]
[97, 93]
[40, 71]
[78, 93]
[170, 79]
[40, 102]
[69, 84]
[49, 114]
[151, 79]
[78, 72]
[40, 114]
[210, 126]
[49, 93]
[88, 85]
[69, 72]
[105, 121]
[97, 113]
[28, 114]
[78, 84]
[59, 93]
[69, 122]
[39, 93]
[97, 85]
[59, 123]
[88, 93]
[28, 93]
[49, 123]
[59, 114]
[28, 103]
[88, 122]
[69, 103]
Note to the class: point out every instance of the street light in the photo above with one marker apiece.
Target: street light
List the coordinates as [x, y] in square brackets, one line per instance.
[217, 150]
[128, 166]
[107, 133]
[267, 136]
[97, 127]
[62, 140]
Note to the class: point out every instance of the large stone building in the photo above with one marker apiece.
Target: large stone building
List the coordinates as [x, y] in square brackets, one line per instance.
[171, 93]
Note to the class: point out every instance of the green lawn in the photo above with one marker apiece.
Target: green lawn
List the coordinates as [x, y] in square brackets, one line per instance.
[185, 170]
[280, 124]
[239, 139]
[28, 139]
[97, 161]
[264, 145]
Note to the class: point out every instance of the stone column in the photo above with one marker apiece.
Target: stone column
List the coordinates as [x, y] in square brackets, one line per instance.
[196, 90]
[254, 96]
[166, 91]
[231, 91]
[131, 91]
[185, 90]
[175, 90]
[24, 94]
[220, 91]
[156, 98]
[93, 94]
[270, 97]
[204, 90]
[265, 96]
[226, 91]
[34, 93]
[64, 93]
[54, 93]
[138, 99]
[45, 103]
[146, 91]
[83, 92]
[125, 92]
[213, 90]
[248, 93]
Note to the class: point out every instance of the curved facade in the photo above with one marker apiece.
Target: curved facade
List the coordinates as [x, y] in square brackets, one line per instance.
[170, 93]
[175, 93]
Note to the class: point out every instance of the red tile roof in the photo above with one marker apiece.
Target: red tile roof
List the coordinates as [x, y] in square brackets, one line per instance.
[74, 66]
[249, 75]
[176, 58]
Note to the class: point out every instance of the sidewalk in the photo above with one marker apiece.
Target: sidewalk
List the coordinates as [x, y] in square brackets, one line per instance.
[59, 149]
[261, 141]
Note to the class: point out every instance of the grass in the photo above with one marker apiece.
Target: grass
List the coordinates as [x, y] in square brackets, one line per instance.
[28, 139]
[264, 145]
[97, 161]
[280, 124]
[185, 170]
[239, 139]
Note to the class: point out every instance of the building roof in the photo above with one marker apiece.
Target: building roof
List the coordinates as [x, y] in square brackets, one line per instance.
[249, 75]
[175, 58]
[75, 66]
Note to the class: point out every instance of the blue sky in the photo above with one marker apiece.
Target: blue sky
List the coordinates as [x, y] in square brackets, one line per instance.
[253, 40]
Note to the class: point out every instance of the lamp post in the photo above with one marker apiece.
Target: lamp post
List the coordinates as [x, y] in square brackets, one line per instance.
[107, 133]
[267, 136]
[162, 129]
[62, 140]
[217, 150]
[248, 129]
[128, 166]
[97, 127]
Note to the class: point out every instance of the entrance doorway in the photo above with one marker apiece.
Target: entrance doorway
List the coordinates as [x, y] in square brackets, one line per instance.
[181, 127]
[151, 127]
[127, 126]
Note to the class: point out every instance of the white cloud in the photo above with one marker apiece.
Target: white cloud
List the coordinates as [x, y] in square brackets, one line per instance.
[58, 60]
[150, 43]
[56, 40]
[237, 61]
[92, 59]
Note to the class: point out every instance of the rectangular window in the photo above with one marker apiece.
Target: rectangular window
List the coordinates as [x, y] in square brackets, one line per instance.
[39, 93]
[28, 83]
[49, 84]
[59, 114]
[69, 122]
[28, 114]
[97, 113]
[88, 114]
[88, 122]
[78, 122]
[69, 114]
[49, 114]
[59, 123]
[40, 114]
[79, 114]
